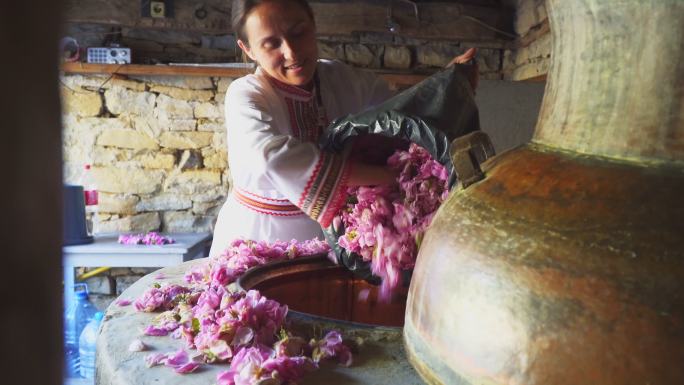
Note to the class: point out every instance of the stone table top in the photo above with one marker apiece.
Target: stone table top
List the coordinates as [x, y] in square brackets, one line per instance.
[380, 360]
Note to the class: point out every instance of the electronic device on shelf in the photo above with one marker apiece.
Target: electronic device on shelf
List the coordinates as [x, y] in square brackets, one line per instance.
[109, 55]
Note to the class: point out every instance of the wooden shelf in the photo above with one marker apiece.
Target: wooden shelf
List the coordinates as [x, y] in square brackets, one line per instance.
[147, 69]
[397, 80]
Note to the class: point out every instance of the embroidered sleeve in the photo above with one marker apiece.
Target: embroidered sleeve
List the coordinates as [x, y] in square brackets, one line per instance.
[325, 191]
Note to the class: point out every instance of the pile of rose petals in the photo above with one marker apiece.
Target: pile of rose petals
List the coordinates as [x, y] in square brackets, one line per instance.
[384, 224]
[244, 329]
[151, 238]
[242, 255]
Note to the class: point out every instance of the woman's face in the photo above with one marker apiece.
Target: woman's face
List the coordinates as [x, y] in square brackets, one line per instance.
[282, 40]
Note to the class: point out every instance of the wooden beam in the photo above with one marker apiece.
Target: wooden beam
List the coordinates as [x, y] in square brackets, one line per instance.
[396, 80]
[127, 13]
[444, 21]
[451, 21]
[144, 69]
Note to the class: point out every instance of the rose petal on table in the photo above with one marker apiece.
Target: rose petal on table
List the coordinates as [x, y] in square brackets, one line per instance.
[187, 368]
[122, 302]
[137, 346]
[178, 358]
[155, 331]
[154, 359]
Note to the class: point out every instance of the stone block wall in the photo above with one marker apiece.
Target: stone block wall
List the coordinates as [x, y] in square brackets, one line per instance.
[378, 51]
[105, 287]
[156, 145]
[532, 56]
[397, 54]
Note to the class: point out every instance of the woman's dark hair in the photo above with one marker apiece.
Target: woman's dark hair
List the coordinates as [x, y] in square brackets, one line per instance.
[242, 8]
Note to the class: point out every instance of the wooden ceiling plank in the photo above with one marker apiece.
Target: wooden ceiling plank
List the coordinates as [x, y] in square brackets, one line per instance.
[442, 21]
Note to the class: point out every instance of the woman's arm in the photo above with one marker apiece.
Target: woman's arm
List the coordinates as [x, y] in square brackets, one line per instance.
[309, 178]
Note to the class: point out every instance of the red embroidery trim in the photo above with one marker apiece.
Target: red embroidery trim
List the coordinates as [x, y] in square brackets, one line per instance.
[326, 186]
[339, 196]
[311, 180]
[272, 213]
[296, 132]
[259, 196]
[287, 210]
[288, 87]
[265, 206]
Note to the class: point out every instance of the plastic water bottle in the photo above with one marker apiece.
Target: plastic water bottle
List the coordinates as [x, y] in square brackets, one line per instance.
[87, 345]
[79, 312]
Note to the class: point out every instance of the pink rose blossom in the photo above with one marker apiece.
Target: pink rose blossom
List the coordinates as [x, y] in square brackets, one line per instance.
[289, 370]
[158, 297]
[152, 330]
[291, 346]
[151, 238]
[154, 359]
[382, 223]
[259, 366]
[180, 362]
[332, 346]
[122, 302]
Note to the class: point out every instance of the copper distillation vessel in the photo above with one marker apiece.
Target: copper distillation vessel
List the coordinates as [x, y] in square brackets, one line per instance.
[563, 260]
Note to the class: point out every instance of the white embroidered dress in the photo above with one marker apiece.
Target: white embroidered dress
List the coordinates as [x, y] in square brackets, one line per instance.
[283, 187]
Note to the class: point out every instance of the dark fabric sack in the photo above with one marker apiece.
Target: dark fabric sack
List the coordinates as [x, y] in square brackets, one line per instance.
[431, 114]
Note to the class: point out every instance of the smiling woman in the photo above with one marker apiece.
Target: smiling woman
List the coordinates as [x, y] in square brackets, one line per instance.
[281, 38]
[284, 187]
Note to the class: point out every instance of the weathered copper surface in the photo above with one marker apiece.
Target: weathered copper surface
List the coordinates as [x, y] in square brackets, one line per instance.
[555, 269]
[565, 264]
[615, 84]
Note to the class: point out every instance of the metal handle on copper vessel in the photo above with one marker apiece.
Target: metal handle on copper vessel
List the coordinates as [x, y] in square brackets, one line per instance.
[468, 152]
